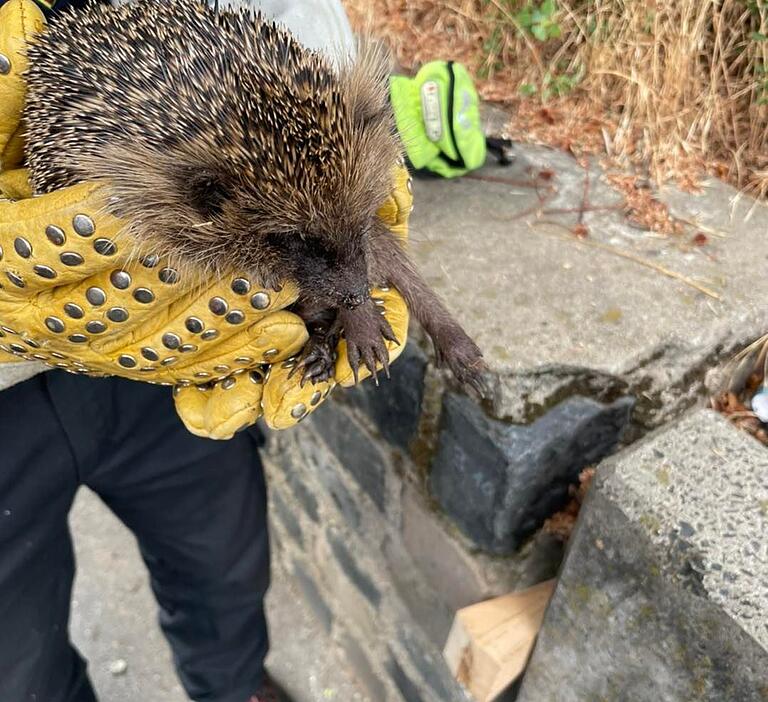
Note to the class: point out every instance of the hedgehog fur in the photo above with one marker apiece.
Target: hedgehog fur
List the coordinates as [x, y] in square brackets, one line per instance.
[213, 129]
[226, 144]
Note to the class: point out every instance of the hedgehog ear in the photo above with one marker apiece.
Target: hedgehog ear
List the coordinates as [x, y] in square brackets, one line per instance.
[207, 191]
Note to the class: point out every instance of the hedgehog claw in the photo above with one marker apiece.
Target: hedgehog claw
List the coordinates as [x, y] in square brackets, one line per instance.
[372, 366]
[457, 351]
[353, 356]
[302, 363]
[316, 359]
[387, 333]
[368, 359]
[317, 369]
[384, 359]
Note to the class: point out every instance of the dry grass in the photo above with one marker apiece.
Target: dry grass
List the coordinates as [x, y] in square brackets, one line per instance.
[677, 85]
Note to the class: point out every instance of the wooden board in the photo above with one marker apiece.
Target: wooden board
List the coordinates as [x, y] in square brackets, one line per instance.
[490, 642]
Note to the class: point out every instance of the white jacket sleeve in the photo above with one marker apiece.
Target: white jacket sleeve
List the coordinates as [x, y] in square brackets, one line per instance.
[321, 25]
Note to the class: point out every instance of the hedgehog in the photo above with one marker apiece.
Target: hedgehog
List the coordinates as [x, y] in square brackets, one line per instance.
[224, 142]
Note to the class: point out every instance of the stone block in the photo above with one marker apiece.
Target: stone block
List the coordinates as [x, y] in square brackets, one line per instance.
[443, 562]
[664, 591]
[460, 576]
[395, 406]
[353, 611]
[422, 676]
[352, 569]
[423, 599]
[308, 461]
[286, 517]
[312, 595]
[554, 314]
[429, 665]
[302, 493]
[362, 669]
[345, 501]
[408, 689]
[499, 482]
[355, 449]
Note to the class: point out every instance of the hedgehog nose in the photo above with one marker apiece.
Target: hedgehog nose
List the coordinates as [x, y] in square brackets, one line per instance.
[353, 300]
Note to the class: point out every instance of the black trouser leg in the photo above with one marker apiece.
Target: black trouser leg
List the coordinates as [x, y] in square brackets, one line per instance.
[198, 509]
[38, 481]
[204, 539]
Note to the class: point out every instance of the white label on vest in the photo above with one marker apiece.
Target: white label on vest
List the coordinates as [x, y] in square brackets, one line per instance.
[430, 109]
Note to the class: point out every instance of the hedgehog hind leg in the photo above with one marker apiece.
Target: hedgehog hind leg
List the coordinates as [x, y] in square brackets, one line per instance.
[454, 348]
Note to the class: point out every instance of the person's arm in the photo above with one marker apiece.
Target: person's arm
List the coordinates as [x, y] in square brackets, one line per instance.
[321, 25]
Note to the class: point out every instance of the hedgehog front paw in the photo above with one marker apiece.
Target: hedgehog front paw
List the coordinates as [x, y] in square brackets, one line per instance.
[318, 357]
[365, 330]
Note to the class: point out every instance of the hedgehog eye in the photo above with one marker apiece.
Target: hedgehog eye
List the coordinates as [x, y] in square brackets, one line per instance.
[207, 193]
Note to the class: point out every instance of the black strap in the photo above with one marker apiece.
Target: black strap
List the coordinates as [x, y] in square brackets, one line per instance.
[501, 149]
[453, 162]
[497, 146]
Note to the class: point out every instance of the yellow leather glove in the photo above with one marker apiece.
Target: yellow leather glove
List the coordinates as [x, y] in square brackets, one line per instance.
[76, 295]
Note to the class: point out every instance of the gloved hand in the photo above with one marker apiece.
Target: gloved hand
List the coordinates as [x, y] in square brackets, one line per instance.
[74, 294]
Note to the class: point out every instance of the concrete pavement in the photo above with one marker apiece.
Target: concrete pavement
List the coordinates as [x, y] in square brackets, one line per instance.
[615, 312]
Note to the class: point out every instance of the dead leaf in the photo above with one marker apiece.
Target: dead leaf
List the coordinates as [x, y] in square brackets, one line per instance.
[700, 239]
[580, 231]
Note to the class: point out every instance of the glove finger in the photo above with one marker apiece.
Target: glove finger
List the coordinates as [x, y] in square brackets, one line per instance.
[86, 338]
[222, 312]
[277, 337]
[274, 339]
[20, 20]
[56, 239]
[172, 309]
[14, 154]
[14, 185]
[16, 350]
[396, 313]
[96, 314]
[285, 402]
[197, 334]
[220, 410]
[396, 209]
